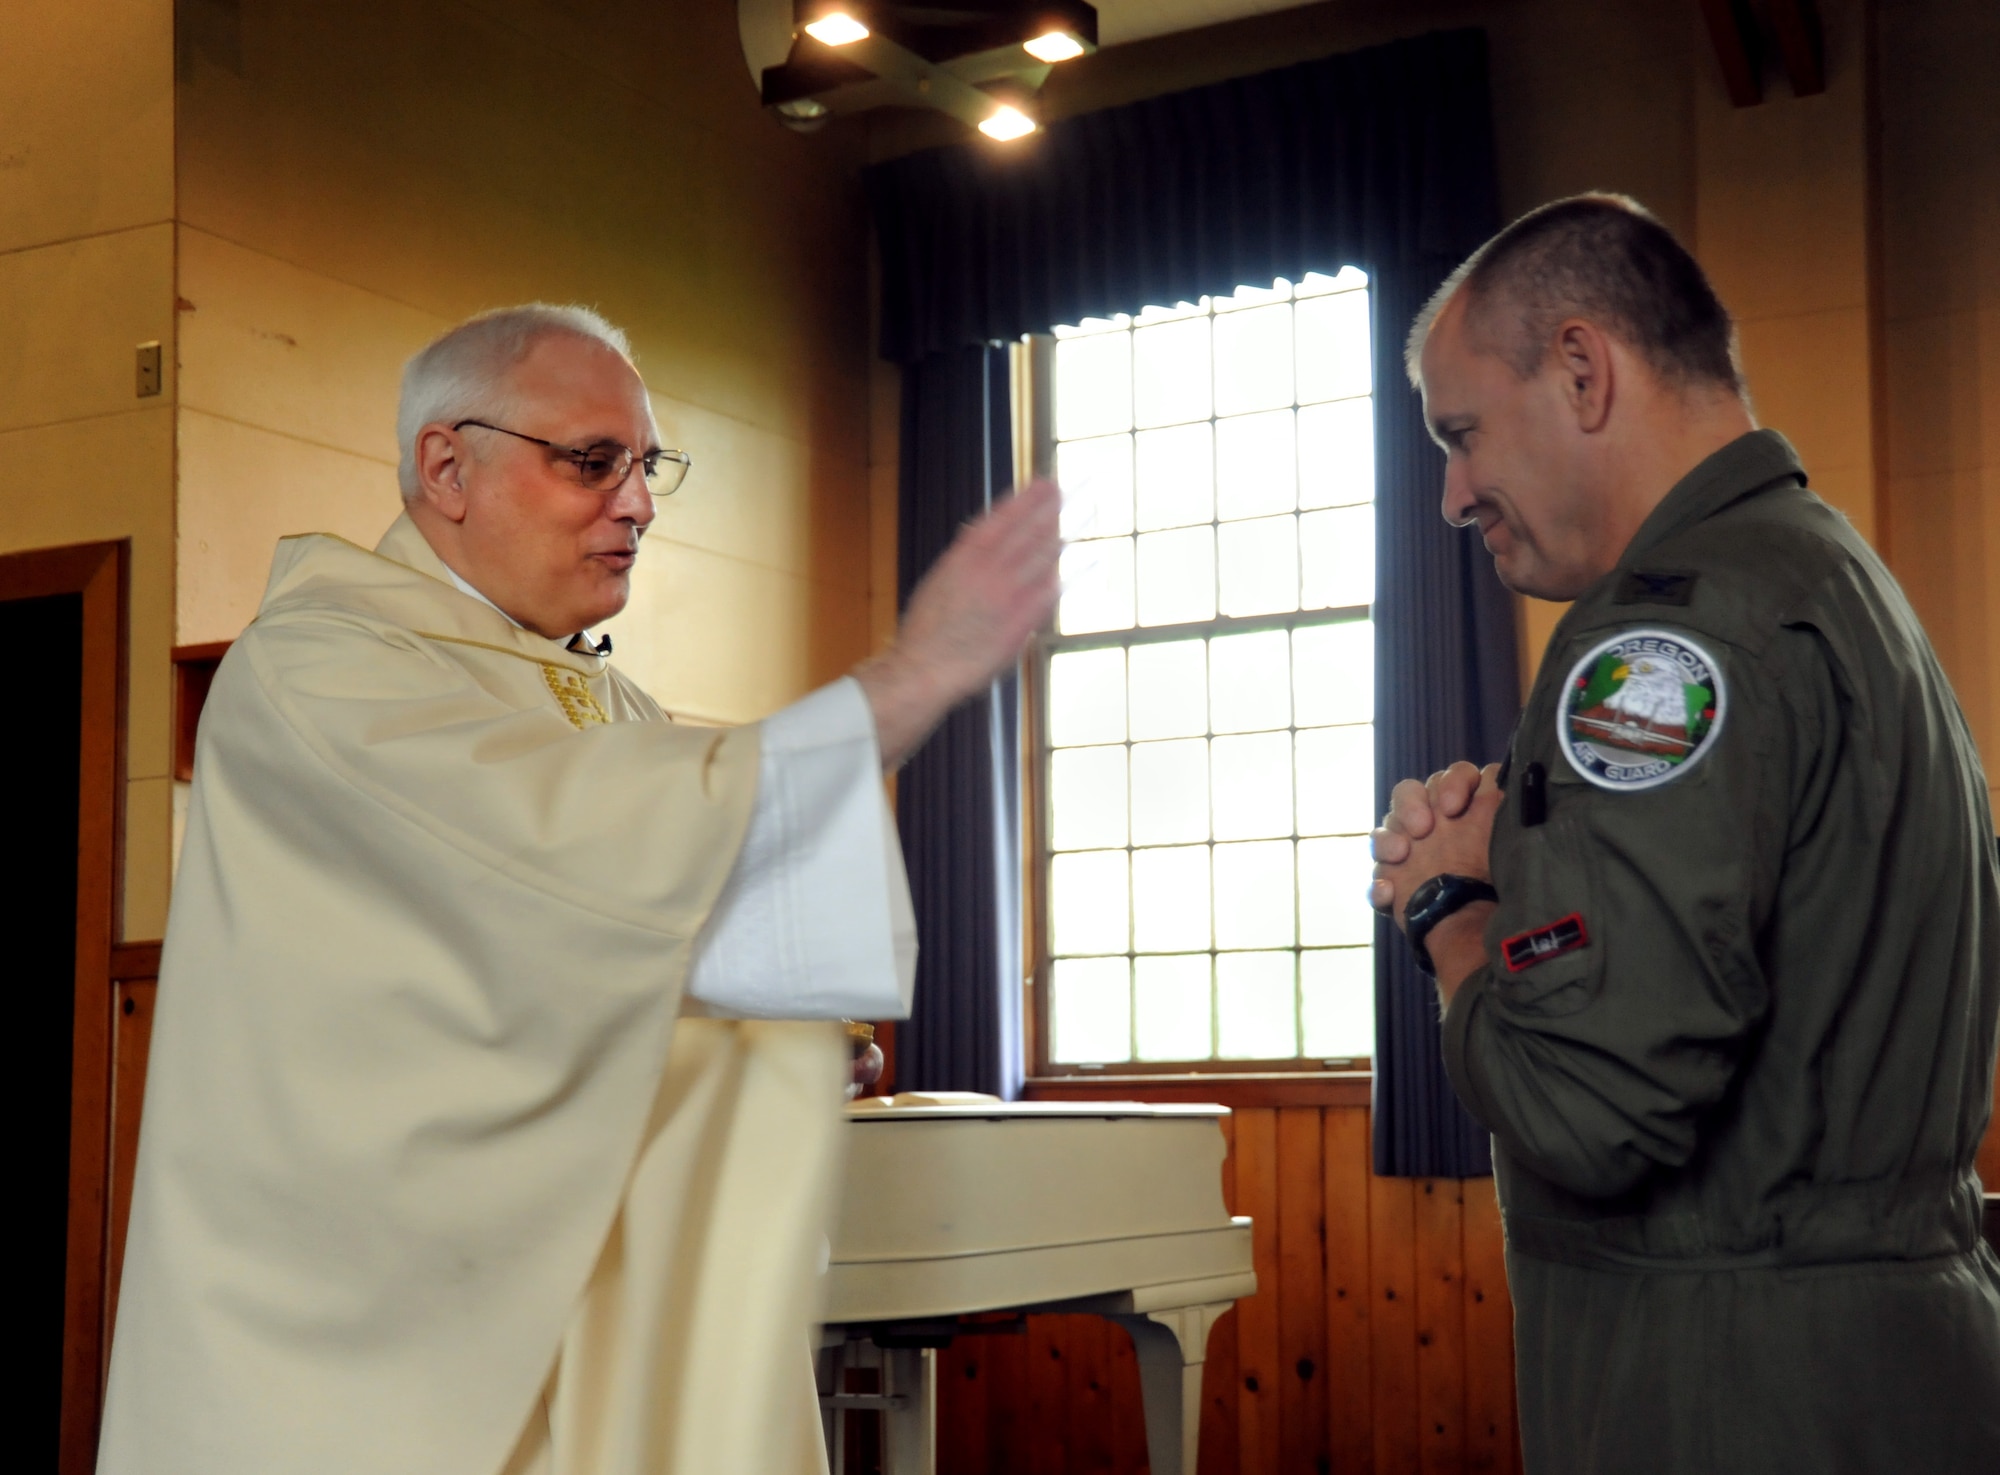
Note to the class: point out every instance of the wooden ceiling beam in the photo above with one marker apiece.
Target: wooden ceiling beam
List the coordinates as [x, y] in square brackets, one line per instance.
[1801, 45]
[1734, 34]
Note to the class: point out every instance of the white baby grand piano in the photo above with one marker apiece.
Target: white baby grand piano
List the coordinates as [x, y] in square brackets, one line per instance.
[963, 1205]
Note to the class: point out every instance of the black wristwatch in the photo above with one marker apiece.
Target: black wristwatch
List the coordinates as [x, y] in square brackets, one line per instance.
[1432, 902]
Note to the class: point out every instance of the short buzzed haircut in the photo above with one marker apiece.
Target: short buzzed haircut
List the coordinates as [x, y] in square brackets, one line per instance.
[1603, 258]
[462, 374]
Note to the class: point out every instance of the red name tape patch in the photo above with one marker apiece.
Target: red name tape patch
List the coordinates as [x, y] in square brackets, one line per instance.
[1526, 949]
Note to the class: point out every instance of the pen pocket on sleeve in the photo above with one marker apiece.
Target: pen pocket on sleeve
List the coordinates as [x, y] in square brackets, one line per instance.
[1545, 941]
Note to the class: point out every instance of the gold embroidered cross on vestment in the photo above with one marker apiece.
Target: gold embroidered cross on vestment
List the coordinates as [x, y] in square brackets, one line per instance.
[572, 694]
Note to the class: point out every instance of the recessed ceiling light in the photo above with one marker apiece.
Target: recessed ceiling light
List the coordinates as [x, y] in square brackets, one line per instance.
[1053, 47]
[1007, 123]
[837, 28]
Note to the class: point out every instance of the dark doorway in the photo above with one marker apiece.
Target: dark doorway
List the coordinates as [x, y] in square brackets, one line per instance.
[62, 610]
[40, 747]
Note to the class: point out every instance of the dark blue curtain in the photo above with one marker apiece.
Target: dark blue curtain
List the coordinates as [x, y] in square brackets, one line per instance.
[1447, 686]
[958, 801]
[1382, 159]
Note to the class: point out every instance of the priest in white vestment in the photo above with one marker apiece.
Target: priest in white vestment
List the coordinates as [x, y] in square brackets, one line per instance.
[483, 1135]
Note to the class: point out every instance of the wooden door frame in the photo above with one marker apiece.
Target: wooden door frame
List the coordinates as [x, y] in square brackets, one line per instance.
[97, 571]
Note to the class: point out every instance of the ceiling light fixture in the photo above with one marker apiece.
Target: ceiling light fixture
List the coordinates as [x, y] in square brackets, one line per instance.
[1053, 47]
[1007, 123]
[804, 114]
[979, 61]
[837, 28]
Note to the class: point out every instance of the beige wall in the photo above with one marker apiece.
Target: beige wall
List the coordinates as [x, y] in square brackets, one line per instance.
[1782, 223]
[86, 274]
[355, 178]
[294, 196]
[1941, 327]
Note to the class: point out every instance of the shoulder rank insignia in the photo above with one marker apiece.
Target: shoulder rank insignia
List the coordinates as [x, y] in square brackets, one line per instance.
[1640, 709]
[1655, 586]
[1525, 949]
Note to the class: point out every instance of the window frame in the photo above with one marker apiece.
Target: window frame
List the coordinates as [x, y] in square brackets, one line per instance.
[1032, 365]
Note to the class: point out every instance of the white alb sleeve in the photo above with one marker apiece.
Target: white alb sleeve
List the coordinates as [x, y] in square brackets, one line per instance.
[814, 922]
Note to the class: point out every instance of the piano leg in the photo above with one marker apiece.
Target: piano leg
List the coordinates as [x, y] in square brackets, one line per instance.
[829, 1371]
[1172, 1344]
[909, 1425]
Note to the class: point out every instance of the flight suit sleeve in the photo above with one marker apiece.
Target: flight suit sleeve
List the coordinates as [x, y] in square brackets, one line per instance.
[1624, 982]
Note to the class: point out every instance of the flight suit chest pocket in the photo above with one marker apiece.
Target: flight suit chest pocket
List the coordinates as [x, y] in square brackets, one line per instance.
[1543, 939]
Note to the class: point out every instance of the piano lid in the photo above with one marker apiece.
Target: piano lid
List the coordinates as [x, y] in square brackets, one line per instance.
[975, 1206]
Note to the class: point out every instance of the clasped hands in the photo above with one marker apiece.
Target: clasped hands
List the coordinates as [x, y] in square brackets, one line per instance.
[1436, 827]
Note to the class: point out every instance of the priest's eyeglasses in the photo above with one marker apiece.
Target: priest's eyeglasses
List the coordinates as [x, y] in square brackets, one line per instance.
[603, 465]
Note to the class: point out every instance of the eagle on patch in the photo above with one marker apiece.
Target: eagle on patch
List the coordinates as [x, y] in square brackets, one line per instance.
[1639, 709]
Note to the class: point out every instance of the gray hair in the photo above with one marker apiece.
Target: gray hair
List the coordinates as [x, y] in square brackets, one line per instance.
[463, 374]
[1602, 257]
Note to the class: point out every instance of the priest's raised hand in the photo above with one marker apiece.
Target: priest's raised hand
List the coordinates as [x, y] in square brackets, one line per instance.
[969, 618]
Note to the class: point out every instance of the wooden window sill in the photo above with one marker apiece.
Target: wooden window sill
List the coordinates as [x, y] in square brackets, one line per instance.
[1247, 1088]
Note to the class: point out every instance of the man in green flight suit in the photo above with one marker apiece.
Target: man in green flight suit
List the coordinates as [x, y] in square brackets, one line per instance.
[1719, 945]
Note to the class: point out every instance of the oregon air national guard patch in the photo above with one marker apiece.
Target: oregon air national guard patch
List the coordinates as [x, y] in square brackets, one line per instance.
[1640, 709]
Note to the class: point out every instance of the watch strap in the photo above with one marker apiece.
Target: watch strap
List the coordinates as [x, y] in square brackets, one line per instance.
[1432, 902]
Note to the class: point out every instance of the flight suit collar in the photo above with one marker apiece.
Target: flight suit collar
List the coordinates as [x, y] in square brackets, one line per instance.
[1750, 464]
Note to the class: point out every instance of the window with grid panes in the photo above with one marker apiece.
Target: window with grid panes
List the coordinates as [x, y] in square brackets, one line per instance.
[1207, 743]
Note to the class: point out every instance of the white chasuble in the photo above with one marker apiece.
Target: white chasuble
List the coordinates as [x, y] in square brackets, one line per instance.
[431, 1181]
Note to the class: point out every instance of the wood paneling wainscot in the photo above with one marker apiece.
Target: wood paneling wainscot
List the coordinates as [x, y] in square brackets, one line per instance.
[1380, 1339]
[135, 983]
